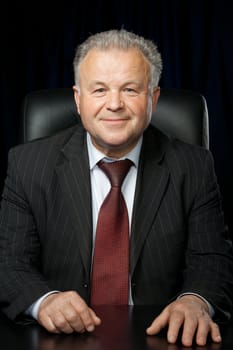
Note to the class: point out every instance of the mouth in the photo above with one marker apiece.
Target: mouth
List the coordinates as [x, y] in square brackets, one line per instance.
[114, 123]
[115, 120]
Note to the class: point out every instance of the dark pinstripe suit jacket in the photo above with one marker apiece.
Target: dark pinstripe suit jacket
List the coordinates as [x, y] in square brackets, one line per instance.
[178, 240]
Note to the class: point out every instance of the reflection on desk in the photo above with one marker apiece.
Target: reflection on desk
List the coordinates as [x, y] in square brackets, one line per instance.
[122, 328]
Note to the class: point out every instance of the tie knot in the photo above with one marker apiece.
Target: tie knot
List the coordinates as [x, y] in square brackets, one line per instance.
[116, 171]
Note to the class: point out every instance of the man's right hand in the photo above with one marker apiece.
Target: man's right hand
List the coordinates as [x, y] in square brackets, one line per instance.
[67, 312]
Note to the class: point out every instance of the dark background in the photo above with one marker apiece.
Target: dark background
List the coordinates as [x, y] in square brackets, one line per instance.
[195, 39]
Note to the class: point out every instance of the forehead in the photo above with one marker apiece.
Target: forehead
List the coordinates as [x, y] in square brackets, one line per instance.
[114, 61]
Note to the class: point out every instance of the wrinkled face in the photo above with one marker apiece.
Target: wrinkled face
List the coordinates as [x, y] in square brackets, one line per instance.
[114, 100]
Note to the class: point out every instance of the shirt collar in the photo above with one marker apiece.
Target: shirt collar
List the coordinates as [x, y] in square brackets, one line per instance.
[95, 155]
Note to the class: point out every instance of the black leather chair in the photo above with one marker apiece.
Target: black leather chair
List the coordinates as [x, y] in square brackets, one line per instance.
[179, 113]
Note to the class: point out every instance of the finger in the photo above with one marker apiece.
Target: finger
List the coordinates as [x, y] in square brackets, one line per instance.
[215, 332]
[45, 320]
[175, 322]
[203, 328]
[158, 323]
[48, 324]
[88, 318]
[85, 321]
[74, 321]
[61, 323]
[189, 330]
[78, 313]
[96, 319]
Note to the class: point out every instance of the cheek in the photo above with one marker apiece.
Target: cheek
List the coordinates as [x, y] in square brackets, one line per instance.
[89, 114]
[141, 109]
[138, 105]
[89, 107]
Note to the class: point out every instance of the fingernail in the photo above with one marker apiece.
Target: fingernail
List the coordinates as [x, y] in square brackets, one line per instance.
[90, 328]
[171, 338]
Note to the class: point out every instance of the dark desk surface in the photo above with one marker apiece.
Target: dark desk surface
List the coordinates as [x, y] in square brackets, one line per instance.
[122, 328]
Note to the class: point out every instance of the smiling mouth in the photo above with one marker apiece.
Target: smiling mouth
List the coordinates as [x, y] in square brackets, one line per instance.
[116, 120]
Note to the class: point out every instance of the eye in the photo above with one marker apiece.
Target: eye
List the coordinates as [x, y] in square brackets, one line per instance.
[99, 91]
[130, 91]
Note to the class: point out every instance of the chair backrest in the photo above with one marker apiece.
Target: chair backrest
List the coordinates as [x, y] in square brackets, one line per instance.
[180, 113]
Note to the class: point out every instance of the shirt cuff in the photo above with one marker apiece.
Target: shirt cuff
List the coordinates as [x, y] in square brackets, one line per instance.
[211, 309]
[33, 309]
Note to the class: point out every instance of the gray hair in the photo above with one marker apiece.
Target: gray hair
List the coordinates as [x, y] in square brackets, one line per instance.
[122, 40]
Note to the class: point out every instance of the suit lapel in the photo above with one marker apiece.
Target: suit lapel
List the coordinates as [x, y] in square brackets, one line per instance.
[74, 178]
[152, 181]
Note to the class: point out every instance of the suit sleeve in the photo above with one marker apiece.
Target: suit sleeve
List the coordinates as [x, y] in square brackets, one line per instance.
[21, 280]
[209, 259]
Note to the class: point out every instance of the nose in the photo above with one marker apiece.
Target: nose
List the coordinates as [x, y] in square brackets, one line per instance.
[114, 101]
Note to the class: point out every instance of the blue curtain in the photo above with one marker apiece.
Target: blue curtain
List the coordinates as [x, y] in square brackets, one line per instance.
[195, 38]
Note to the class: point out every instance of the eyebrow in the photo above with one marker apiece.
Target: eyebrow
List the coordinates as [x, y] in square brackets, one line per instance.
[130, 82]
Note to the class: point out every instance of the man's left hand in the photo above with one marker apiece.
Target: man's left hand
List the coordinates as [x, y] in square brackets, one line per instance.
[191, 313]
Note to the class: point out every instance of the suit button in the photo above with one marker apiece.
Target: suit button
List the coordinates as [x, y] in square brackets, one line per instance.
[85, 285]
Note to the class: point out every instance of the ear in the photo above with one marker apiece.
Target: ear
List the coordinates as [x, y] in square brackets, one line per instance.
[155, 97]
[76, 97]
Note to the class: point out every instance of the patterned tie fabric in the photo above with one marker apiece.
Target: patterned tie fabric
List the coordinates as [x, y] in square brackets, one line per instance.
[110, 271]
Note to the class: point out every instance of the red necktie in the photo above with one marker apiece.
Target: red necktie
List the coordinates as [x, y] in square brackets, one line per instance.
[110, 271]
